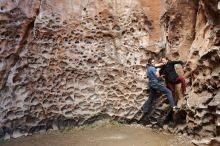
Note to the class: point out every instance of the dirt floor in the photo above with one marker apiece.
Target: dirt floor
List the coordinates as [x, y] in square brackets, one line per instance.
[104, 135]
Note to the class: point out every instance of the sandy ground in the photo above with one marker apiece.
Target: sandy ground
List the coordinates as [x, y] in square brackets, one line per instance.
[111, 135]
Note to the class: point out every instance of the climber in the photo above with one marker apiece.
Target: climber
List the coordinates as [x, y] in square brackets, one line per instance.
[156, 85]
[171, 77]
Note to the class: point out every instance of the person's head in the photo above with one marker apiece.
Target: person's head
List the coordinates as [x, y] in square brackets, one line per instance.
[151, 61]
[164, 60]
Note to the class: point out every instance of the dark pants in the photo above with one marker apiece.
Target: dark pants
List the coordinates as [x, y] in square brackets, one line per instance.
[171, 85]
[154, 87]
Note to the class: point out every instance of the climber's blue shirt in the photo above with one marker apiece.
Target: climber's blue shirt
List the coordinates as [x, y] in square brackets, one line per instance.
[151, 72]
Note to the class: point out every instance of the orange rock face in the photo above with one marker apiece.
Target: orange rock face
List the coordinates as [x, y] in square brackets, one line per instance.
[70, 62]
[193, 35]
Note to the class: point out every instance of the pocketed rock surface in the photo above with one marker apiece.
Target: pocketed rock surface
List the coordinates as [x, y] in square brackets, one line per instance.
[72, 62]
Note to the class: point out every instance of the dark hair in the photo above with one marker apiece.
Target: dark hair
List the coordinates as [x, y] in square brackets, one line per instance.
[149, 62]
[165, 58]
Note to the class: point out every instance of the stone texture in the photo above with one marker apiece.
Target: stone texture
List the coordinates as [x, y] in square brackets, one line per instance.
[68, 63]
[71, 62]
[202, 56]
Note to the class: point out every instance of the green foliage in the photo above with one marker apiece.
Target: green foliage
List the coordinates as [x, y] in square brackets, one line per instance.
[2, 141]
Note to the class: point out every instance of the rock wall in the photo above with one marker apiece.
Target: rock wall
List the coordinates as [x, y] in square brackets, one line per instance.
[193, 35]
[65, 63]
[204, 103]
[70, 62]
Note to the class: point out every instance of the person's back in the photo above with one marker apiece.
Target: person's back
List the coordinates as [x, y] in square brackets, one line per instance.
[151, 72]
